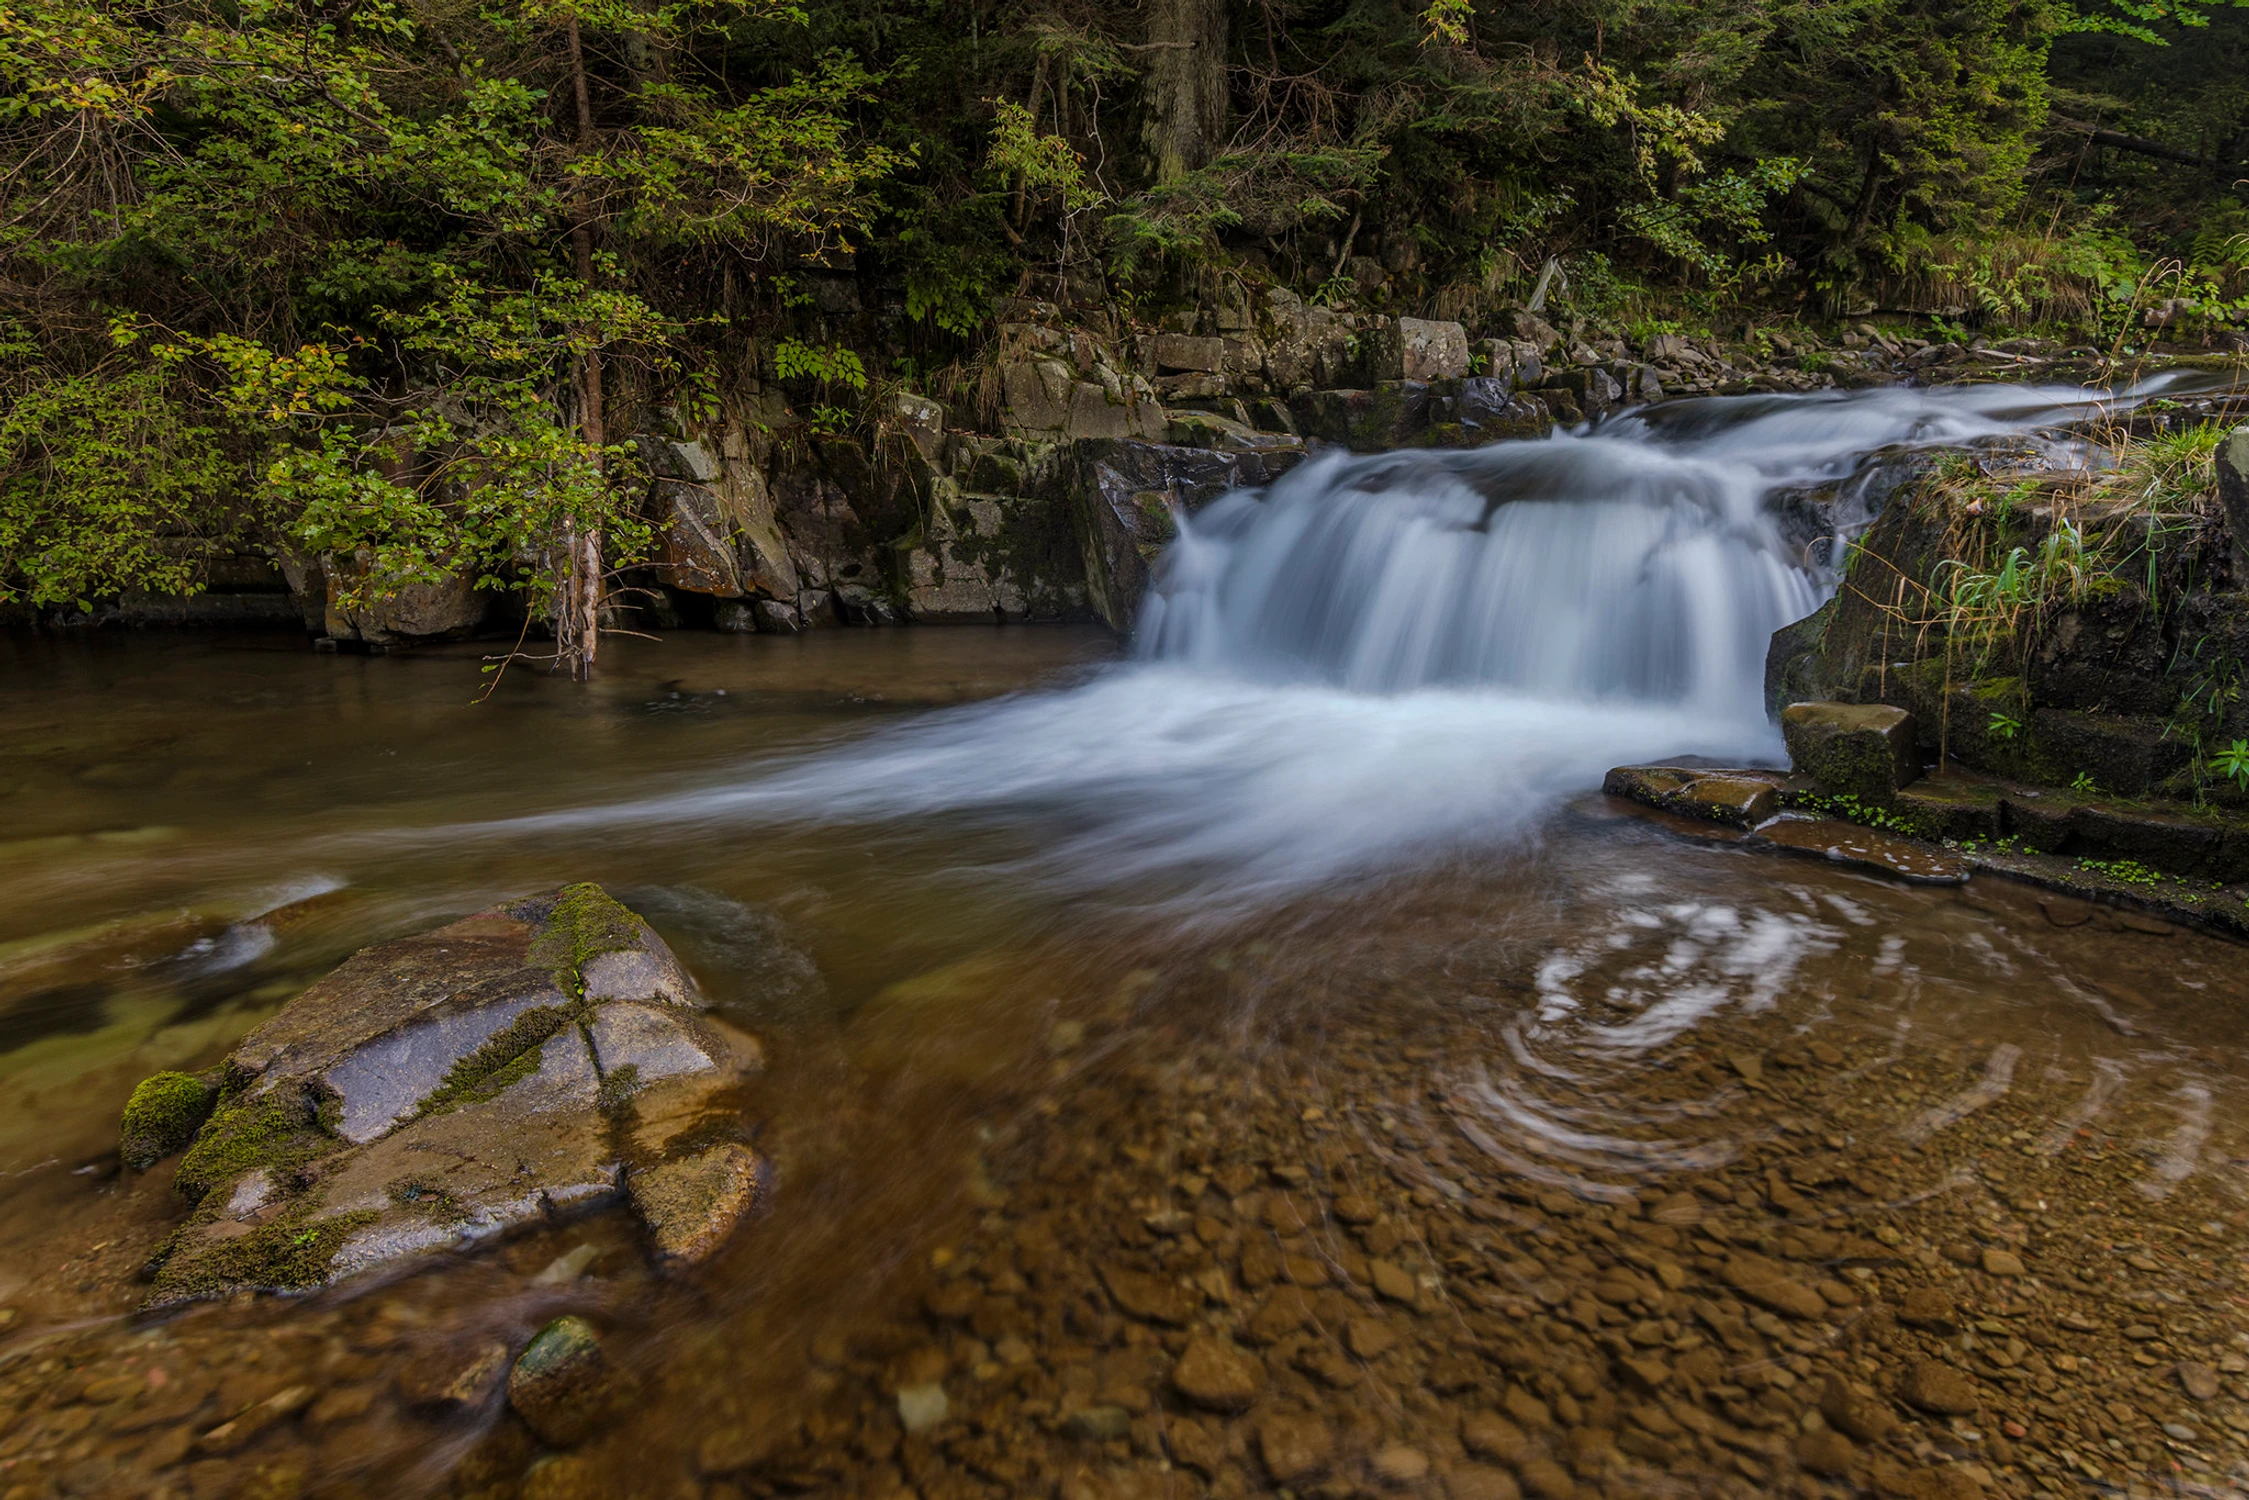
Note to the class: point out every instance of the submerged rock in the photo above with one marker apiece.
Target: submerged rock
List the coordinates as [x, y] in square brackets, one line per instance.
[441, 1089]
[1866, 848]
[691, 1206]
[561, 1383]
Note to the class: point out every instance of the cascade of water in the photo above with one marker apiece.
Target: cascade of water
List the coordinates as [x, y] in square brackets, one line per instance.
[1635, 561]
[1384, 659]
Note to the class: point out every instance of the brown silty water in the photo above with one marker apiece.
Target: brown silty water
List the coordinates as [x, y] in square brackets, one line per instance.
[1607, 1165]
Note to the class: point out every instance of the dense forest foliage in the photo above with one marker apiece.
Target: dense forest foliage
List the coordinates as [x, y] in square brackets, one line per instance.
[388, 279]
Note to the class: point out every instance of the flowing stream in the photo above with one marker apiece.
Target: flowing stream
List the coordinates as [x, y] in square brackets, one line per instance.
[1074, 962]
[1387, 659]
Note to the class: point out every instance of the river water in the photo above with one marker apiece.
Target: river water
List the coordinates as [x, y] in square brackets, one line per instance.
[1282, 960]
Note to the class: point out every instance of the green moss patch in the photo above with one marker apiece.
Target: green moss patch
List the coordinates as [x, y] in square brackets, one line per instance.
[507, 1057]
[162, 1117]
[586, 921]
[280, 1132]
[618, 1086]
[290, 1255]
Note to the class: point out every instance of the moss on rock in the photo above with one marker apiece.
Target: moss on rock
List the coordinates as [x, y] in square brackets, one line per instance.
[508, 1056]
[279, 1132]
[585, 921]
[162, 1117]
[289, 1255]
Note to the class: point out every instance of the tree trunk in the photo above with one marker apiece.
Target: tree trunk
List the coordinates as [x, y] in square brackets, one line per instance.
[1862, 212]
[577, 635]
[2141, 146]
[1186, 84]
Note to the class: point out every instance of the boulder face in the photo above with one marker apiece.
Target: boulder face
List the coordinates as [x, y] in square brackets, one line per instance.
[1126, 498]
[448, 609]
[535, 1058]
[1862, 750]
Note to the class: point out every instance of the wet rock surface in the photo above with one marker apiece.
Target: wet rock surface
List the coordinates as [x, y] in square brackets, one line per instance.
[1868, 848]
[1741, 798]
[439, 1090]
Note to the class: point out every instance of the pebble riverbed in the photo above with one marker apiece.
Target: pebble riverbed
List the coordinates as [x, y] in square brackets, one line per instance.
[1616, 1208]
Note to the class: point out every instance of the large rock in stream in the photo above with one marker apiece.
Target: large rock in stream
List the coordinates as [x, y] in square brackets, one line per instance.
[535, 1058]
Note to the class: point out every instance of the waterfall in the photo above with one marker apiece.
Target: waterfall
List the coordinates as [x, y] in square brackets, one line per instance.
[1639, 561]
[1634, 574]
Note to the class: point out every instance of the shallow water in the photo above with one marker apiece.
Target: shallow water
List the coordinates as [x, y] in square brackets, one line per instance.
[1265, 983]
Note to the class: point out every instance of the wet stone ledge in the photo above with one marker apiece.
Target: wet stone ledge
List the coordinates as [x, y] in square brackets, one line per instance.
[2110, 848]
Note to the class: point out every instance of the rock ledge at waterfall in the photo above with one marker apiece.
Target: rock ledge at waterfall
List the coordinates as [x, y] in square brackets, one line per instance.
[535, 1058]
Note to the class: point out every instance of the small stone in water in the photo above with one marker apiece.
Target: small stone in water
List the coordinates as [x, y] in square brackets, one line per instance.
[1400, 1465]
[2180, 1431]
[1217, 1376]
[455, 1385]
[1927, 1307]
[1098, 1424]
[1826, 1452]
[1355, 1208]
[560, 1383]
[1493, 1436]
[1293, 1445]
[1937, 1387]
[1547, 1479]
[1369, 1338]
[921, 1407]
[568, 1266]
[2002, 1263]
[1392, 1281]
[1480, 1482]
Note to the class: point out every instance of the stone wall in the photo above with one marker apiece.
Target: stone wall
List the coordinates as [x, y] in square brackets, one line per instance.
[1051, 503]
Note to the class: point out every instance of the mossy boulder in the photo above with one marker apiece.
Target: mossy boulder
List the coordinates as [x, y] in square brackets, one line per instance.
[162, 1116]
[440, 1090]
[1715, 795]
[1862, 750]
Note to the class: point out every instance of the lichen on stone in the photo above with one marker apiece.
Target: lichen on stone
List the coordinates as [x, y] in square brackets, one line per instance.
[162, 1117]
[279, 1131]
[584, 922]
[507, 1057]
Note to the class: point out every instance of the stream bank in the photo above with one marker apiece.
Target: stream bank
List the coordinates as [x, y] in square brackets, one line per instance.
[1043, 488]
